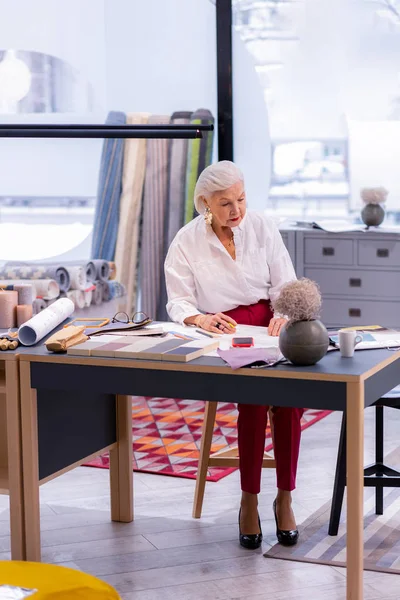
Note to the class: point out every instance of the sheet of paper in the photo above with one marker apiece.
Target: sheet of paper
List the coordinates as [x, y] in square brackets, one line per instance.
[48, 319]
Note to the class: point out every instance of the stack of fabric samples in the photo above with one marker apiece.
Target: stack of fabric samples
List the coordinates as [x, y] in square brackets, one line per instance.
[168, 348]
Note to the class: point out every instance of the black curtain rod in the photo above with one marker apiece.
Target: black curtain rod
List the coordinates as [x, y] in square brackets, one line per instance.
[8, 131]
[90, 127]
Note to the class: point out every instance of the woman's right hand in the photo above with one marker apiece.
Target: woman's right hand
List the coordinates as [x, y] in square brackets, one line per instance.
[218, 323]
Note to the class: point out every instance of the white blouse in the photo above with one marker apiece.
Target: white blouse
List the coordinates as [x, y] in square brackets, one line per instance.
[202, 277]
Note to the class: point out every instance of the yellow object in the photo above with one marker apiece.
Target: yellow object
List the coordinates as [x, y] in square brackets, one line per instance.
[366, 328]
[65, 338]
[54, 582]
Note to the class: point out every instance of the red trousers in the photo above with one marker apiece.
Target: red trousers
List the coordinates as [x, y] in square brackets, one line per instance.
[252, 422]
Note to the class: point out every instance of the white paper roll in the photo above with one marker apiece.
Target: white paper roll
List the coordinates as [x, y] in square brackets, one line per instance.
[39, 326]
[78, 278]
[77, 297]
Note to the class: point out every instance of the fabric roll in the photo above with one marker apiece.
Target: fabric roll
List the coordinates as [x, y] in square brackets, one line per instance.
[38, 305]
[45, 288]
[174, 220]
[36, 271]
[24, 313]
[8, 308]
[77, 297]
[105, 291]
[88, 298]
[102, 269]
[199, 157]
[97, 296]
[153, 220]
[113, 270]
[106, 220]
[78, 279]
[178, 156]
[126, 253]
[26, 292]
[116, 289]
[90, 269]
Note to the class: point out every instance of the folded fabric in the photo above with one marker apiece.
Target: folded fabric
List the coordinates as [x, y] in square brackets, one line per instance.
[65, 338]
[245, 357]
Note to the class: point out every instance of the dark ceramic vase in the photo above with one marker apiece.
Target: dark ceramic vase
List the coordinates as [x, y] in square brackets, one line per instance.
[304, 342]
[372, 215]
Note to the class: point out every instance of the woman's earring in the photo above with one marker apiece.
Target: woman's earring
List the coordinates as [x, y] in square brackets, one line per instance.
[208, 216]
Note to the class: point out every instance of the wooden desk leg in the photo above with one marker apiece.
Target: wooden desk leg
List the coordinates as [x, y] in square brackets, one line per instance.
[355, 490]
[15, 461]
[121, 471]
[30, 463]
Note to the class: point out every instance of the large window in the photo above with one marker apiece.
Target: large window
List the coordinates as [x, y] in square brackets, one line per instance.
[329, 76]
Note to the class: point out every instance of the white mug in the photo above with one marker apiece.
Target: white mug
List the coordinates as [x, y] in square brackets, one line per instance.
[348, 340]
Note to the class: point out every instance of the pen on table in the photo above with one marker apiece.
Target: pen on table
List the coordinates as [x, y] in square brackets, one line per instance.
[204, 333]
[182, 336]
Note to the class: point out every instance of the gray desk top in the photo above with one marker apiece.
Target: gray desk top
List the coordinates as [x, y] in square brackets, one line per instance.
[331, 365]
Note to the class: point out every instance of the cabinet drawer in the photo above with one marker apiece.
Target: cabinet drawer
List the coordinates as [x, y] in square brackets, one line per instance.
[353, 282]
[330, 251]
[360, 312]
[383, 253]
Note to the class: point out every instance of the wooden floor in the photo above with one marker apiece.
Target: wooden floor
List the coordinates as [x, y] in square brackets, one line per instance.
[165, 554]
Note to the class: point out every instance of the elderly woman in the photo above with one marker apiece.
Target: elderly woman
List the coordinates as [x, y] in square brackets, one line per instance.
[225, 268]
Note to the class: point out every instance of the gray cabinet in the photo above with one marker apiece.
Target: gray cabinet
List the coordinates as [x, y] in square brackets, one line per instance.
[358, 274]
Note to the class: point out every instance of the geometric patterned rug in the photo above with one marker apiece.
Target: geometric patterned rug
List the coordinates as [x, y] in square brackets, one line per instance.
[167, 435]
[381, 534]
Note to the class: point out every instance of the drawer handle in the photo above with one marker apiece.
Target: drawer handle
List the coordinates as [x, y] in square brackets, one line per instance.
[328, 251]
[354, 282]
[382, 252]
[354, 312]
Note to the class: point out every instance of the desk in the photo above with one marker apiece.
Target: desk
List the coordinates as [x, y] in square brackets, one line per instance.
[10, 449]
[57, 389]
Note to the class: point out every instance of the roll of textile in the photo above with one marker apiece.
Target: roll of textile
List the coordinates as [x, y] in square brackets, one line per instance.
[175, 211]
[24, 313]
[153, 220]
[77, 297]
[113, 270]
[37, 271]
[106, 219]
[44, 288]
[25, 293]
[105, 291]
[116, 289]
[78, 279]
[88, 298]
[127, 247]
[38, 305]
[97, 296]
[199, 157]
[8, 308]
[102, 269]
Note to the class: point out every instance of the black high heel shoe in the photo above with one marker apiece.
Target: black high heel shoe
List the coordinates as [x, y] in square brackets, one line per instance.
[286, 538]
[251, 541]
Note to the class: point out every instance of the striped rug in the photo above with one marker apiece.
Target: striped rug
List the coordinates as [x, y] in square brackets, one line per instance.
[381, 534]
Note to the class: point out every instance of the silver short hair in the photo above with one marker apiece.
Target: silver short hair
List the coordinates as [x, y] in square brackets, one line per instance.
[215, 178]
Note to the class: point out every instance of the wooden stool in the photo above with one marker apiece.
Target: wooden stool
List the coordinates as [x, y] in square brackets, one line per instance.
[223, 458]
[53, 581]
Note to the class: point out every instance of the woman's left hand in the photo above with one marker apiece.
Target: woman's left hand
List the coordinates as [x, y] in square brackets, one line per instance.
[275, 326]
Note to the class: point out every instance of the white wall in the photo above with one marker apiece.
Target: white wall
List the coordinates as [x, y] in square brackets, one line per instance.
[161, 57]
[344, 65]
[74, 32]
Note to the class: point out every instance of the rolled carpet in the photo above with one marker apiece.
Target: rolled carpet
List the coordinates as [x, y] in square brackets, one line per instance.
[116, 289]
[37, 271]
[45, 288]
[97, 296]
